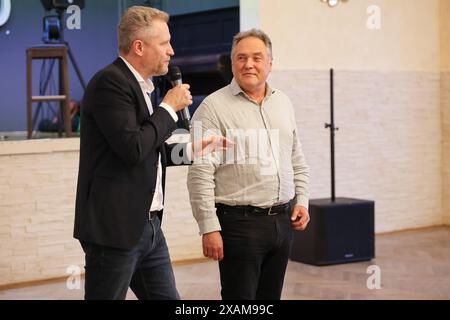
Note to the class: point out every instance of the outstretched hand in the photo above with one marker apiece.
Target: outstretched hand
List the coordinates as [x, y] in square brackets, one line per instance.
[210, 144]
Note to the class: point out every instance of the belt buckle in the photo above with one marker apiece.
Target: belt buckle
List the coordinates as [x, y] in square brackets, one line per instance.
[270, 212]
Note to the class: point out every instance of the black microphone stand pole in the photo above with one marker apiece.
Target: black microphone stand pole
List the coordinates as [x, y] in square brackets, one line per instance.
[341, 229]
[332, 128]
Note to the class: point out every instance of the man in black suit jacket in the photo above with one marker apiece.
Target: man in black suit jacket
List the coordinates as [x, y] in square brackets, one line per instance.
[123, 158]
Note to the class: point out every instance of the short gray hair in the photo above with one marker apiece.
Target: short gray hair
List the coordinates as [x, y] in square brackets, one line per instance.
[135, 23]
[257, 33]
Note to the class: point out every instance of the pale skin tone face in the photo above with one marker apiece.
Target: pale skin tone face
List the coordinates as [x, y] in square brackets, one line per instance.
[251, 66]
[150, 54]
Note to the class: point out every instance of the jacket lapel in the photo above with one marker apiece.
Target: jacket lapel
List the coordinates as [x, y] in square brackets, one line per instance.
[119, 63]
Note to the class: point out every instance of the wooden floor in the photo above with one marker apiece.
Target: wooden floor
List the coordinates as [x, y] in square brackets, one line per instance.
[414, 265]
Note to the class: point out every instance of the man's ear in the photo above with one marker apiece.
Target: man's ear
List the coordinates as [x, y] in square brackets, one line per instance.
[138, 47]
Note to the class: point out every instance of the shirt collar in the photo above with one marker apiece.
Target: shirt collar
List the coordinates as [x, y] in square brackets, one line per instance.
[146, 85]
[236, 89]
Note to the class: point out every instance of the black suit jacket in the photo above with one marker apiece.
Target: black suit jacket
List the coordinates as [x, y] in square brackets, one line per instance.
[119, 148]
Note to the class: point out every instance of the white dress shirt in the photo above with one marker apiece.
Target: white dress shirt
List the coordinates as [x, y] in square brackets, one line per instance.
[147, 88]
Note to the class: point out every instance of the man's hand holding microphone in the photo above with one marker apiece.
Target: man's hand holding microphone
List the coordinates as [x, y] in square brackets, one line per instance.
[179, 98]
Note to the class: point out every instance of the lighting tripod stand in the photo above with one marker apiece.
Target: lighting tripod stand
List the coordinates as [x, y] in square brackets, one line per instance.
[54, 37]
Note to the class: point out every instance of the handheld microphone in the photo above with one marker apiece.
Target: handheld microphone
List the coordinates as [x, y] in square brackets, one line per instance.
[175, 79]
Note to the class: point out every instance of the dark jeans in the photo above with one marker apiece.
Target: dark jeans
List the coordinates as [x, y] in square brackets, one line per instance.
[146, 268]
[256, 250]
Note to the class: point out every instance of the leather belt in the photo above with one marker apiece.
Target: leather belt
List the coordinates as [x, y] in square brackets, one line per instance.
[271, 211]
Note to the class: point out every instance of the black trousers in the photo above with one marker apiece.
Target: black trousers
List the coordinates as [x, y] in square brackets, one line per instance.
[256, 251]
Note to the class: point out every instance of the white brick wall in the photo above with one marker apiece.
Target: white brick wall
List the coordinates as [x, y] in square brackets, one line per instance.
[388, 149]
[37, 193]
[37, 203]
[179, 225]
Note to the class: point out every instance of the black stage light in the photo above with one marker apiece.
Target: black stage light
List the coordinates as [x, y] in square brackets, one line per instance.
[53, 24]
[61, 4]
[52, 29]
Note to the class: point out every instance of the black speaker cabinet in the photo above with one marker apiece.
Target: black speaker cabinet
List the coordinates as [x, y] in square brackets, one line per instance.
[338, 232]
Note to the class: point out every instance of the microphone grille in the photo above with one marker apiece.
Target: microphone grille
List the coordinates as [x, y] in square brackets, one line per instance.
[174, 73]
